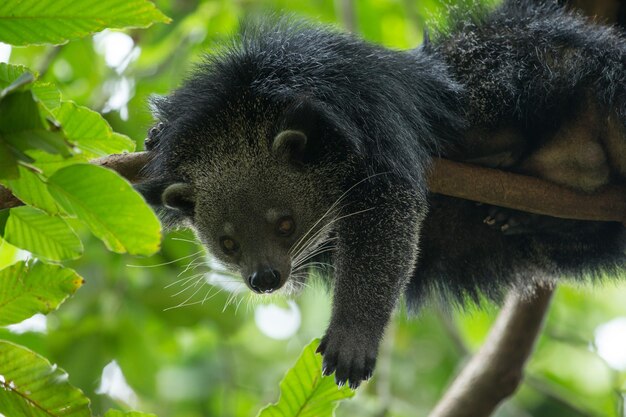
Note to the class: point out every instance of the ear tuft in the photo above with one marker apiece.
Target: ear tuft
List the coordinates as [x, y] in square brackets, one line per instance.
[179, 196]
[290, 143]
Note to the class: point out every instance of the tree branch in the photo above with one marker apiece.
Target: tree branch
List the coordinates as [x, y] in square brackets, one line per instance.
[471, 182]
[524, 193]
[496, 370]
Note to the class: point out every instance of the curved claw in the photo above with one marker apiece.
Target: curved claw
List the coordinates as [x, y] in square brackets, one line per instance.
[351, 361]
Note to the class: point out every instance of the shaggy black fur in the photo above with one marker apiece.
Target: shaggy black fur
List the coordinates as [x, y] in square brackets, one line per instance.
[534, 79]
[526, 69]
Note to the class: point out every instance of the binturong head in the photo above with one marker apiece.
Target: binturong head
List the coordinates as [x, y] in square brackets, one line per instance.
[258, 198]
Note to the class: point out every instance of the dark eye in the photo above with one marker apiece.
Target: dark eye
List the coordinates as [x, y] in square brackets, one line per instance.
[285, 226]
[229, 246]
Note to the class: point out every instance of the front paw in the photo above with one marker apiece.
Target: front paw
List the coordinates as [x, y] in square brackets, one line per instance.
[351, 355]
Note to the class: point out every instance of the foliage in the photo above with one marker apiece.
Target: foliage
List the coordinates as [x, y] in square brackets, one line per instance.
[33, 387]
[185, 348]
[305, 392]
[26, 290]
[45, 143]
[32, 22]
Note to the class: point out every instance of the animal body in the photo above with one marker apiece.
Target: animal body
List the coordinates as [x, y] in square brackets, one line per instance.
[299, 147]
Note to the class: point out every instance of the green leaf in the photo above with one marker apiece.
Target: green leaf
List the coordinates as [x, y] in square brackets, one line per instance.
[9, 73]
[39, 288]
[46, 236]
[32, 189]
[304, 392]
[117, 413]
[47, 94]
[109, 206]
[90, 131]
[31, 387]
[18, 112]
[24, 79]
[36, 22]
[22, 125]
[8, 253]
[8, 161]
[49, 141]
[49, 163]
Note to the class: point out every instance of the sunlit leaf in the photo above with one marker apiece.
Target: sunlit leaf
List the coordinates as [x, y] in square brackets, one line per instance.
[9, 73]
[31, 189]
[8, 252]
[304, 392]
[36, 22]
[109, 206]
[47, 94]
[90, 132]
[22, 125]
[31, 387]
[51, 163]
[24, 79]
[48, 237]
[26, 290]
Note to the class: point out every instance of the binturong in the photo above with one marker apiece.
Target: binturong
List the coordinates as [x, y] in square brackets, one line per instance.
[297, 146]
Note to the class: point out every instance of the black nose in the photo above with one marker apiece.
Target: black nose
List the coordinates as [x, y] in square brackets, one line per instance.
[265, 280]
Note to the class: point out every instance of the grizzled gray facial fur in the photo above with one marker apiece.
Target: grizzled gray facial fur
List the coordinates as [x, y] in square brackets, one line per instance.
[258, 208]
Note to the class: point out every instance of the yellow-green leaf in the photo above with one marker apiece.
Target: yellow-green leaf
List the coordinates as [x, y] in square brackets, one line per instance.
[47, 94]
[9, 73]
[46, 236]
[109, 206]
[304, 392]
[39, 288]
[31, 387]
[31, 189]
[89, 131]
[37, 22]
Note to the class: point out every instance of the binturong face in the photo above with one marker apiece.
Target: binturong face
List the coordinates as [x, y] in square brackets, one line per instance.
[259, 208]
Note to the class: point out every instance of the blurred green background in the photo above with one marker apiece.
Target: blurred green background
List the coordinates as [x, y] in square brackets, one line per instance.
[152, 334]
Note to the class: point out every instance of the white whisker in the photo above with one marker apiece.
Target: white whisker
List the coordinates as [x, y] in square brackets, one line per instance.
[164, 263]
[185, 303]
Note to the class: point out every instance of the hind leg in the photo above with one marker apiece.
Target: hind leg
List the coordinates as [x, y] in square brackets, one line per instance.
[575, 156]
[580, 155]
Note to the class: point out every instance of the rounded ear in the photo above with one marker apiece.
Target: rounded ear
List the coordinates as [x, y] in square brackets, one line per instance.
[290, 144]
[179, 196]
